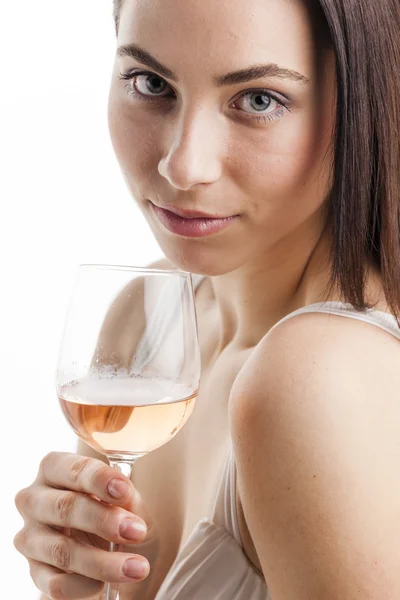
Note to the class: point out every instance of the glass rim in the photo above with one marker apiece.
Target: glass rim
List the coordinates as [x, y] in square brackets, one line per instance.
[135, 269]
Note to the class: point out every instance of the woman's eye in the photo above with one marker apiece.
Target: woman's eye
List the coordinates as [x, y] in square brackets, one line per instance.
[146, 84]
[150, 84]
[258, 103]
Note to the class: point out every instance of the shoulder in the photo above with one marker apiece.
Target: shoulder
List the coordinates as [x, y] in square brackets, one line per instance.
[320, 353]
[314, 420]
[318, 367]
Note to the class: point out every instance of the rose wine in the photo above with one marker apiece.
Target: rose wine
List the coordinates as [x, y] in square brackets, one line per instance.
[124, 416]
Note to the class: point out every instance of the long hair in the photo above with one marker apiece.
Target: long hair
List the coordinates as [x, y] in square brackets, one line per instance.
[363, 208]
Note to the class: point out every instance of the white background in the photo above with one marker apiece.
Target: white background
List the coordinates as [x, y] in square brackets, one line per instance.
[63, 202]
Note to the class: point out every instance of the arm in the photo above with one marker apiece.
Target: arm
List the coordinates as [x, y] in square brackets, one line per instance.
[315, 421]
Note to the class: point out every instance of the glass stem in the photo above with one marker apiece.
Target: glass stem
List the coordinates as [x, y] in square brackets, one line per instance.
[124, 467]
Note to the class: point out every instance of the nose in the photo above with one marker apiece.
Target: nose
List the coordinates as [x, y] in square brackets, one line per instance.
[192, 152]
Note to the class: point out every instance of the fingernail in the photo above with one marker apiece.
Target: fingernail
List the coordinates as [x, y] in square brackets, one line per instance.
[118, 488]
[132, 530]
[135, 568]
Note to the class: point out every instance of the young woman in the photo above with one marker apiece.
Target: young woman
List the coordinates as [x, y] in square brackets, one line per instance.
[261, 141]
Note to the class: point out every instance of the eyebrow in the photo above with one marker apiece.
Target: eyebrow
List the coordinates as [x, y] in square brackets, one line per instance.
[241, 76]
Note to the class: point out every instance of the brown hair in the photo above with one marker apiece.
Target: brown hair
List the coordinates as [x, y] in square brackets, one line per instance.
[117, 13]
[363, 207]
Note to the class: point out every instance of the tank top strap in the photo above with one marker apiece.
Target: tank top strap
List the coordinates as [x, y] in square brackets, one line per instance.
[381, 319]
[225, 507]
[231, 505]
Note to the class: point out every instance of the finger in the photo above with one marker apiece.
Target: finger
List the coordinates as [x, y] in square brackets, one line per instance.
[87, 475]
[73, 510]
[45, 545]
[56, 584]
[92, 539]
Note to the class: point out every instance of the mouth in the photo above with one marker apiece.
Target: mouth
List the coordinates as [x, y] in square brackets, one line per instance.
[192, 214]
[188, 223]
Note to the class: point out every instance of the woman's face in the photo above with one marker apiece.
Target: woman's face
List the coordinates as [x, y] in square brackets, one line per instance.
[255, 146]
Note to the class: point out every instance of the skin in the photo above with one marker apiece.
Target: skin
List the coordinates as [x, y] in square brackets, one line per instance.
[200, 149]
[198, 152]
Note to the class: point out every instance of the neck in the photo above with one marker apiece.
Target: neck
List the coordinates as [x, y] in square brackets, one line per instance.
[251, 299]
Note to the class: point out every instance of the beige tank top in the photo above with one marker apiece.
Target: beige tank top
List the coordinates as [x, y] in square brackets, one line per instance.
[212, 564]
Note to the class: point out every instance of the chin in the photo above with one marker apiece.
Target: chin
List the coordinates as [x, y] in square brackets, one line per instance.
[210, 256]
[199, 259]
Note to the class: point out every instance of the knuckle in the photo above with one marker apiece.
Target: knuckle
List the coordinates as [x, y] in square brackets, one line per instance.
[47, 460]
[64, 506]
[21, 500]
[20, 540]
[79, 466]
[99, 474]
[60, 553]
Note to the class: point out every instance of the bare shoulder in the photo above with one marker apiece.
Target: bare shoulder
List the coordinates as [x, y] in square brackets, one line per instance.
[323, 349]
[314, 419]
[317, 365]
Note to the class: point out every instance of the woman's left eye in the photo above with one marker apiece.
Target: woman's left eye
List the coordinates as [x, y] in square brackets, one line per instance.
[259, 105]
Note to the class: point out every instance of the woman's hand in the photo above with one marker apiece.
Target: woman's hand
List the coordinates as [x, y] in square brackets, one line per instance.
[71, 511]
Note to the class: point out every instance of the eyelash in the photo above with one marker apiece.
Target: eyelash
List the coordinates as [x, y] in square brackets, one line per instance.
[130, 75]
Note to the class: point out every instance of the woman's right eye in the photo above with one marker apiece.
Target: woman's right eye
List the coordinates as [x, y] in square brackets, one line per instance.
[146, 85]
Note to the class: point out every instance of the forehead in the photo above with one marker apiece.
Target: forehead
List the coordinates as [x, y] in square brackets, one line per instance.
[226, 33]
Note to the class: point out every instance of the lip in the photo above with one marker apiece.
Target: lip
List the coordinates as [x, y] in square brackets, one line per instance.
[192, 214]
[191, 223]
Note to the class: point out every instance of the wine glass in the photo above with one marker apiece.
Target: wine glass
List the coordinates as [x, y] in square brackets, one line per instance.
[129, 364]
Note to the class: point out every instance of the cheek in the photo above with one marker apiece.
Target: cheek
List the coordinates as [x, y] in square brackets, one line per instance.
[287, 163]
[299, 154]
[135, 142]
